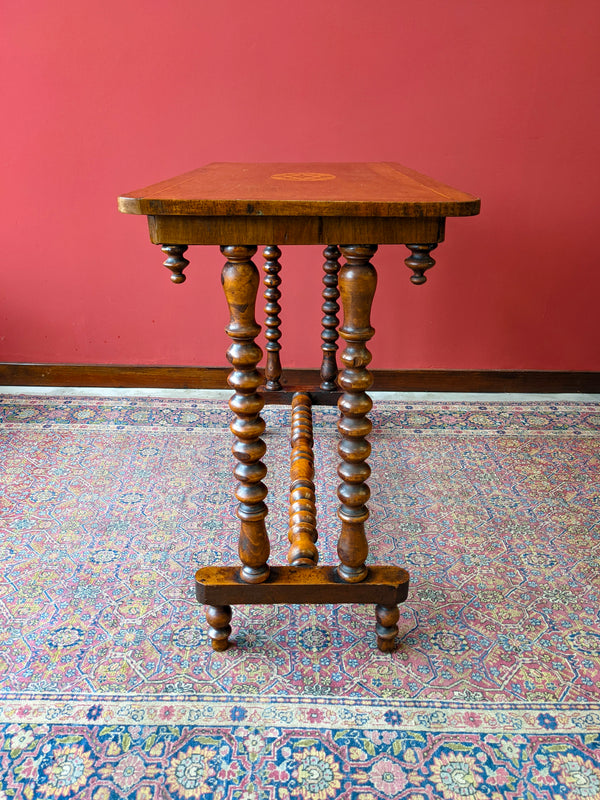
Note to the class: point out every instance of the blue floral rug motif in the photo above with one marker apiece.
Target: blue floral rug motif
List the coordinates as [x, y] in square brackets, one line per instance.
[108, 688]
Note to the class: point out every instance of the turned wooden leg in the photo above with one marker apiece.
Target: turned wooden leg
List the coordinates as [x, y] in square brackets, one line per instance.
[419, 261]
[272, 295]
[240, 282]
[219, 630]
[358, 280]
[330, 308]
[303, 513]
[387, 628]
[175, 260]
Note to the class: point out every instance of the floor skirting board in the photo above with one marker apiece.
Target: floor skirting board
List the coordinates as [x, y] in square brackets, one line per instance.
[182, 377]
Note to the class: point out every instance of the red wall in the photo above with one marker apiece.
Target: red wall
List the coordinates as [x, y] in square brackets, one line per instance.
[497, 98]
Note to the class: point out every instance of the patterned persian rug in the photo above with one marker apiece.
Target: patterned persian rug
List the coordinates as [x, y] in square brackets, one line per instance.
[108, 688]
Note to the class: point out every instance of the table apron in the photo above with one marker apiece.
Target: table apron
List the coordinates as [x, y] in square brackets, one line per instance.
[263, 230]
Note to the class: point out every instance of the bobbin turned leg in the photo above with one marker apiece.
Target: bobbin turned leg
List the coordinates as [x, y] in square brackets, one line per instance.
[219, 630]
[272, 295]
[387, 628]
[330, 308]
[357, 281]
[240, 280]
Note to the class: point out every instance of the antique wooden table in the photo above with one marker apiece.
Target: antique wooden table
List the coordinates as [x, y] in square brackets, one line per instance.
[350, 208]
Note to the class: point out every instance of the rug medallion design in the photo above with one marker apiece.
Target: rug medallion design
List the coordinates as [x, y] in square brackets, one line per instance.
[109, 690]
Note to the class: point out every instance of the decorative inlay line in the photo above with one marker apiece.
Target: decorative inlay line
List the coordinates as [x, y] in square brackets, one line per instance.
[303, 176]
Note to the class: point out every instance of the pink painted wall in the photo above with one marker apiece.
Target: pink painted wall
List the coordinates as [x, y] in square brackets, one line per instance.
[497, 98]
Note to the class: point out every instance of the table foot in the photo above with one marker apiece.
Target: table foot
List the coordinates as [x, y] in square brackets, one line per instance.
[219, 630]
[387, 628]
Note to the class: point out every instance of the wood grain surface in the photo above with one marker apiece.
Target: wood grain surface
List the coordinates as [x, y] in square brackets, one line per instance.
[222, 586]
[383, 189]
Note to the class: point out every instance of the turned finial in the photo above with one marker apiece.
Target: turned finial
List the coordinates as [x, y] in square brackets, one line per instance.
[419, 261]
[175, 260]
